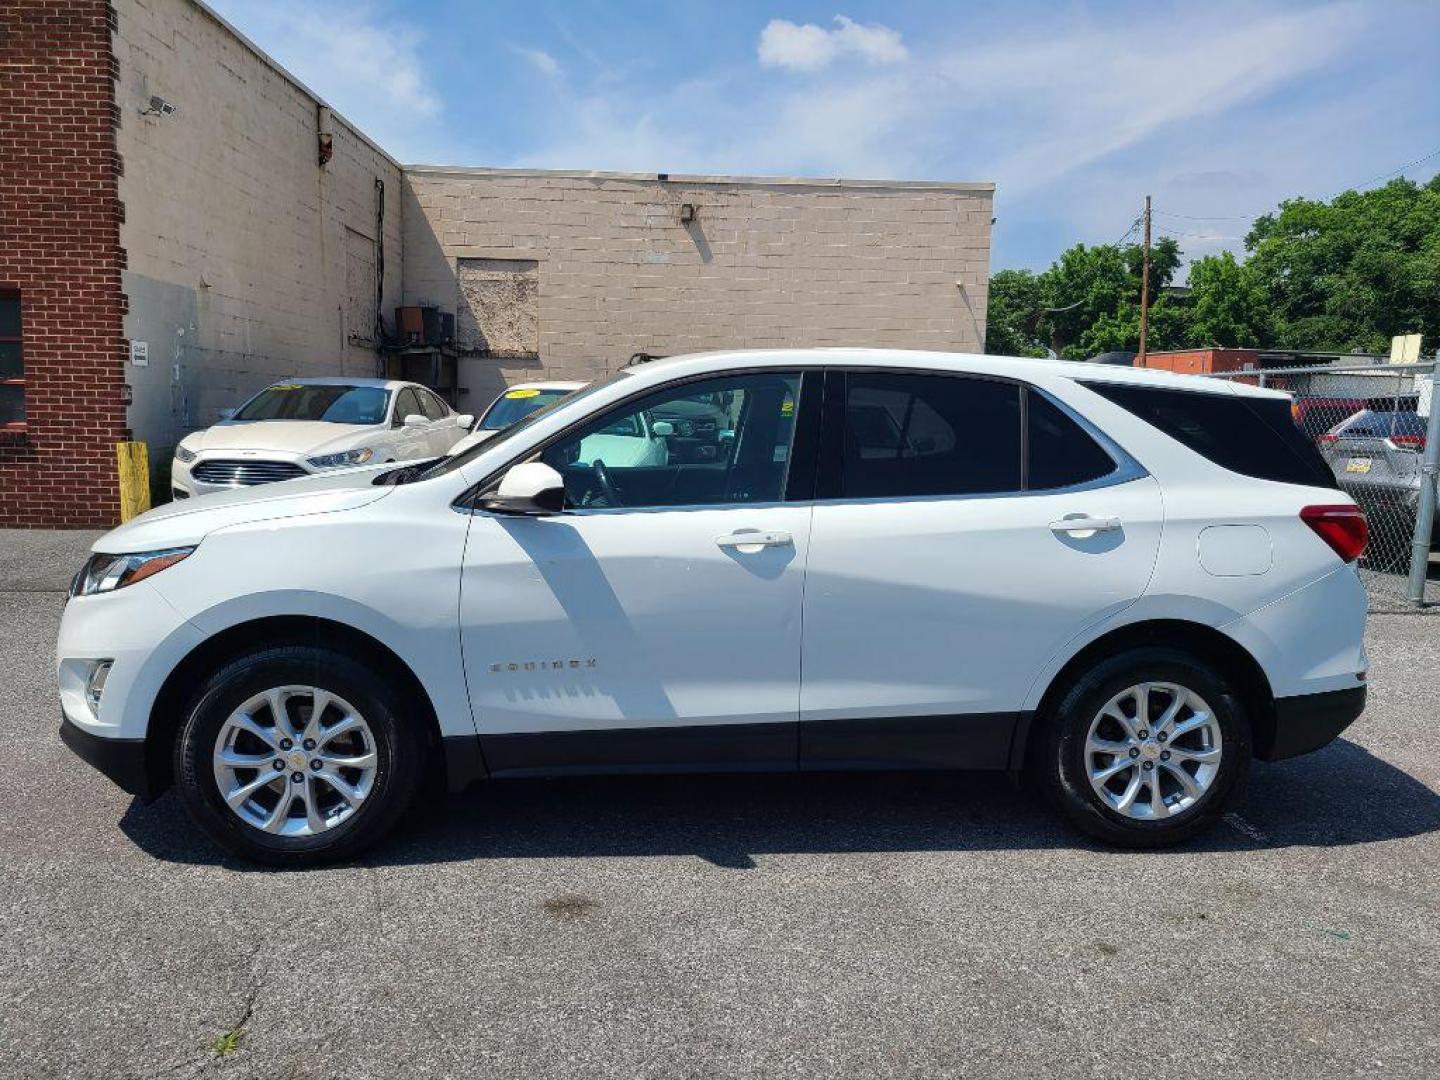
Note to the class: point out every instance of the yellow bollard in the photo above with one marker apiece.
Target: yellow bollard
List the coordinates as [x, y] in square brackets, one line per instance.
[134, 460]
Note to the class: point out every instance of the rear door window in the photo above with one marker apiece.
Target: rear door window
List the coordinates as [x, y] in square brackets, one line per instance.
[1251, 436]
[916, 435]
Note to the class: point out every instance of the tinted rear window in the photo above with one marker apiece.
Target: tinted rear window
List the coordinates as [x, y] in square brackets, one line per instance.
[1251, 436]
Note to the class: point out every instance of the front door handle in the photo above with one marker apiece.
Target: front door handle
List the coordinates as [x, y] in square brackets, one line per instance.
[744, 539]
[1084, 524]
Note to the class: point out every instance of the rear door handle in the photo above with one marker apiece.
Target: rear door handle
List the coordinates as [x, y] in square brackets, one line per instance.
[754, 539]
[1084, 524]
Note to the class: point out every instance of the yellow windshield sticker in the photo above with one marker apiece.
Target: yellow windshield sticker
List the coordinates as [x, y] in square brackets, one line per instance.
[286, 386]
[787, 407]
[515, 394]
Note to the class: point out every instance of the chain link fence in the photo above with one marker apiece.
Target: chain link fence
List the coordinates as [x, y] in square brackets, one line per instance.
[1370, 424]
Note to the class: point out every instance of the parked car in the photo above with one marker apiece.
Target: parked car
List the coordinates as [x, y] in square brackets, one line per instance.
[698, 426]
[303, 426]
[1317, 415]
[513, 405]
[1377, 459]
[1120, 585]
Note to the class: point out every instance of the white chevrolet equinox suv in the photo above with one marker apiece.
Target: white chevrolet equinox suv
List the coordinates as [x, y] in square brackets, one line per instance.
[1121, 585]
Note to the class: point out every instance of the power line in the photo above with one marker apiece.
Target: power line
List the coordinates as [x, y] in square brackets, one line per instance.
[1386, 176]
[1200, 236]
[1206, 217]
[1326, 198]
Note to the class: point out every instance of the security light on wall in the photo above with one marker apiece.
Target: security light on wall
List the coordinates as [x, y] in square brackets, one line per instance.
[158, 107]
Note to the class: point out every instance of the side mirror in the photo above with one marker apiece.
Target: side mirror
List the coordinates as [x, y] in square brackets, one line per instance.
[663, 428]
[415, 419]
[533, 490]
[226, 414]
[465, 420]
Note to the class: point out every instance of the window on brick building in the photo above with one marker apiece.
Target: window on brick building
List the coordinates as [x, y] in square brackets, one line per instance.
[12, 363]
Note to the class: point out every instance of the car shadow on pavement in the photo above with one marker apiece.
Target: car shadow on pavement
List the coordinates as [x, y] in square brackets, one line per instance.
[1342, 795]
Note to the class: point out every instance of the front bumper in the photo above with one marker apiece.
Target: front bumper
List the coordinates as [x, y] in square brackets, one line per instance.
[1307, 722]
[122, 760]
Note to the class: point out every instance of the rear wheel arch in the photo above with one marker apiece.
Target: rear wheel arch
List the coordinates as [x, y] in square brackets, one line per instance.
[167, 713]
[1223, 653]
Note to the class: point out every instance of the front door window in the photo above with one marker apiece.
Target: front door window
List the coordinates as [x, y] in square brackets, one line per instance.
[716, 442]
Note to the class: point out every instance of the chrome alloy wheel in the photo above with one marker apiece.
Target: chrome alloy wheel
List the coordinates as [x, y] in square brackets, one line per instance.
[1153, 750]
[295, 761]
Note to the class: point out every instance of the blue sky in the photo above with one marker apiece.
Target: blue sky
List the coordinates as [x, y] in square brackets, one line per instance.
[1076, 110]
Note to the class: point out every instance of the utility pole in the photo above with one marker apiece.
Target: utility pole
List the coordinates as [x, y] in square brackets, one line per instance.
[1145, 289]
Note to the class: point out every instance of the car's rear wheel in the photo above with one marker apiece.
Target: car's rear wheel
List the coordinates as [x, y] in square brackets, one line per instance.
[295, 755]
[1146, 749]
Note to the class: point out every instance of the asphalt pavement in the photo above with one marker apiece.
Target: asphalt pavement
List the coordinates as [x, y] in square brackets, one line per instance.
[936, 925]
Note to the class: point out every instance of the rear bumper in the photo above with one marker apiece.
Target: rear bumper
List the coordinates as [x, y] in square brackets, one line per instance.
[122, 760]
[1307, 722]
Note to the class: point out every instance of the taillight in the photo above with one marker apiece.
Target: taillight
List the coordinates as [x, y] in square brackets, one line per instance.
[1342, 527]
[1329, 438]
[1409, 442]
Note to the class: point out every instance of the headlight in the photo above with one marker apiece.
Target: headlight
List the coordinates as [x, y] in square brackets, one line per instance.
[183, 455]
[347, 457]
[106, 573]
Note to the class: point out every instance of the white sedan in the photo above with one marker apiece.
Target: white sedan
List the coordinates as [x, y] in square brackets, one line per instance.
[640, 440]
[512, 406]
[304, 426]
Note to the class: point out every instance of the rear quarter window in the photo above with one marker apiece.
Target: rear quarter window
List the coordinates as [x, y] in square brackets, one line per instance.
[1254, 437]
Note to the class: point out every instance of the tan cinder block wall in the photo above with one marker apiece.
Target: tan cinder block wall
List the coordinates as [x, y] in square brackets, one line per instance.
[767, 262]
[236, 237]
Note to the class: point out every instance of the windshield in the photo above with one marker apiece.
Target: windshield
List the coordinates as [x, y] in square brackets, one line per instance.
[457, 461]
[330, 403]
[515, 405]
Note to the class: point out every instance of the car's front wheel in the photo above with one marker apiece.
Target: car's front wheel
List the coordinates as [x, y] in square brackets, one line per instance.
[1146, 749]
[295, 755]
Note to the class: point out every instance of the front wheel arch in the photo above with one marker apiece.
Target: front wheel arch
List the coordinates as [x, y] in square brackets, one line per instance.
[167, 714]
[1203, 642]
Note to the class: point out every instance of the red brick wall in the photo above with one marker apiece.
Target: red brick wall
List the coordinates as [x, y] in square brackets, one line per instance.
[1201, 361]
[60, 247]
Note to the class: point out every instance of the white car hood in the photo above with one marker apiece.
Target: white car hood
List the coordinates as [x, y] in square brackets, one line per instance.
[187, 521]
[285, 436]
[475, 438]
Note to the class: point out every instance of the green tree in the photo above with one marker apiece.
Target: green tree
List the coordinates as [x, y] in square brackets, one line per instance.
[1014, 312]
[1227, 305]
[1088, 301]
[1330, 276]
[1094, 296]
[1353, 272]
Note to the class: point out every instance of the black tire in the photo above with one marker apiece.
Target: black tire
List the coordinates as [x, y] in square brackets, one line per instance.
[399, 745]
[1059, 759]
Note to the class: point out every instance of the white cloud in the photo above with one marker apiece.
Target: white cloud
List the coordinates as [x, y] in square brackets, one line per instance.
[811, 48]
[541, 60]
[1084, 95]
[371, 70]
